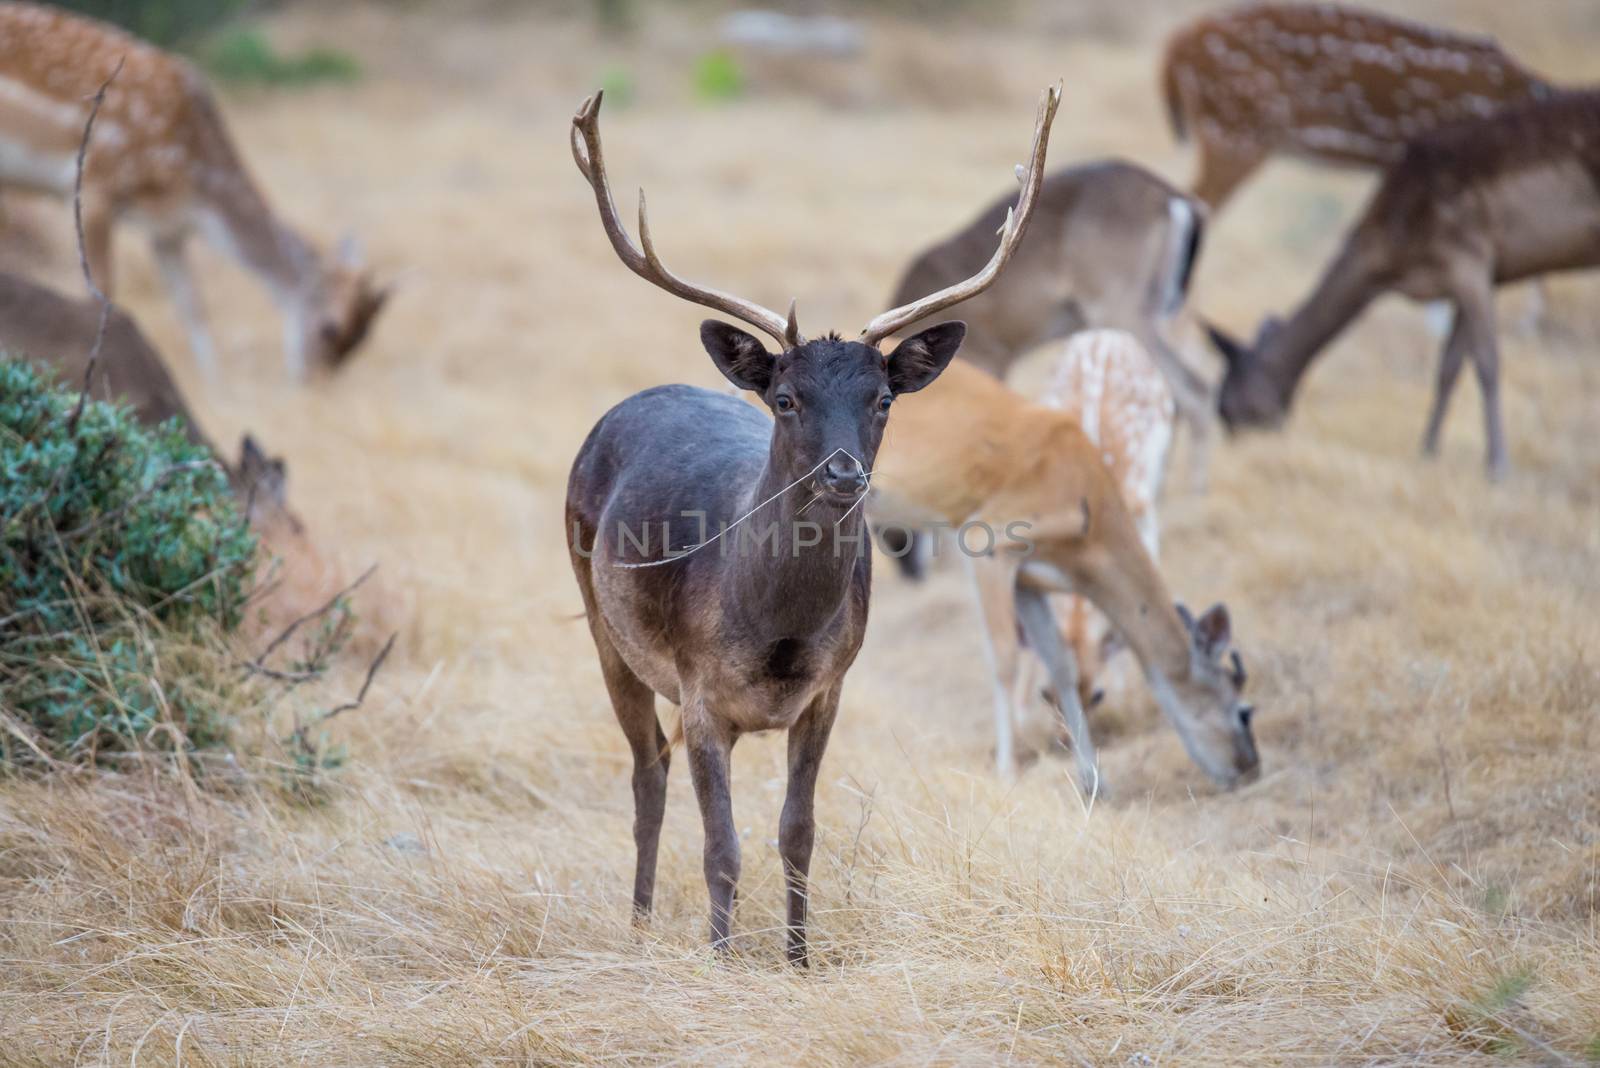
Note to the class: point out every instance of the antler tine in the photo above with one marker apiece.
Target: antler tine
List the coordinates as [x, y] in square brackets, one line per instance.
[1016, 225]
[644, 262]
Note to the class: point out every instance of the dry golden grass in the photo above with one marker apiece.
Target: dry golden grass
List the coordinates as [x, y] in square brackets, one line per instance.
[1416, 878]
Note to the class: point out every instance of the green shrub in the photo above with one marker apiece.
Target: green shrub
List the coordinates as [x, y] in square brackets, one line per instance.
[122, 555]
[168, 23]
[246, 57]
[717, 76]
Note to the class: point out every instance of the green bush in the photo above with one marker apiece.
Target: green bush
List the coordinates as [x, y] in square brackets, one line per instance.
[168, 23]
[121, 554]
[246, 57]
[717, 76]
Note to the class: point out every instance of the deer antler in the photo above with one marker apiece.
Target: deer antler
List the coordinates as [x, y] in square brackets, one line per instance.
[1010, 237]
[644, 262]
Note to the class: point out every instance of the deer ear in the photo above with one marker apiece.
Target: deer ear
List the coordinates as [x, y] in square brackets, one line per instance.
[739, 356]
[920, 358]
[1213, 631]
[1232, 351]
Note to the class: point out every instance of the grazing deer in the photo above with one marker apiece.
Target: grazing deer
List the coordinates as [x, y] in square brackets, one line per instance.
[1469, 207]
[743, 636]
[163, 158]
[1038, 512]
[1107, 381]
[57, 333]
[1324, 82]
[1113, 245]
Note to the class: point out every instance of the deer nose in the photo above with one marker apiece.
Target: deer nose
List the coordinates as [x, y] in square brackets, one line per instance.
[844, 475]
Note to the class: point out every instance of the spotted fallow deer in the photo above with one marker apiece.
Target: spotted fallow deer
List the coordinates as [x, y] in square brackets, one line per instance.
[1113, 246]
[1108, 382]
[1038, 513]
[162, 158]
[751, 628]
[1469, 207]
[1324, 82]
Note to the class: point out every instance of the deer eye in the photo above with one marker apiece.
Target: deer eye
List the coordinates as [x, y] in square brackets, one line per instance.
[783, 403]
[1246, 714]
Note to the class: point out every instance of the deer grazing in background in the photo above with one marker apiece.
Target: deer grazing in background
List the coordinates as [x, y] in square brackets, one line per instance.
[1110, 385]
[1469, 207]
[162, 157]
[1113, 246]
[1038, 513]
[1324, 82]
[56, 334]
[744, 636]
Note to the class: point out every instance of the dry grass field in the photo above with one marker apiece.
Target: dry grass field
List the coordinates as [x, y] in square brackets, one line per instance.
[1415, 879]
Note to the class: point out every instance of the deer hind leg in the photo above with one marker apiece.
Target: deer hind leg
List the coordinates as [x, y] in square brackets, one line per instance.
[797, 827]
[1477, 313]
[710, 745]
[174, 265]
[1450, 361]
[635, 706]
[993, 580]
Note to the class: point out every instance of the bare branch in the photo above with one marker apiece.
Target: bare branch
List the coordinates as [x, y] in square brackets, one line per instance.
[259, 664]
[83, 248]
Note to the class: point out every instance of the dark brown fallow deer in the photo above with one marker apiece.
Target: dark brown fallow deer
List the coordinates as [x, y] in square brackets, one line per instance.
[722, 555]
[1468, 208]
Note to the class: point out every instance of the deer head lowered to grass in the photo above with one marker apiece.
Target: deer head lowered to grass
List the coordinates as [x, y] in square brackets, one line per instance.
[722, 555]
[163, 158]
[1469, 207]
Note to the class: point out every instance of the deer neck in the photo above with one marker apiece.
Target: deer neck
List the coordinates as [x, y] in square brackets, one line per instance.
[1342, 293]
[238, 218]
[792, 562]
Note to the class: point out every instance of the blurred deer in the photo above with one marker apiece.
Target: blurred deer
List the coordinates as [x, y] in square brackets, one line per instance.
[743, 635]
[162, 158]
[1113, 246]
[1324, 82]
[1469, 207]
[1106, 381]
[56, 334]
[1038, 512]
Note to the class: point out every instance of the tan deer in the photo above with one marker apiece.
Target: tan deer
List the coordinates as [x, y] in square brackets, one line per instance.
[1112, 246]
[1037, 512]
[1324, 82]
[1468, 208]
[1106, 380]
[162, 158]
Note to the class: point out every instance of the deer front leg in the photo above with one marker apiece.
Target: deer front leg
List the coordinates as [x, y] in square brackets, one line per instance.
[98, 219]
[994, 580]
[710, 744]
[1450, 360]
[1044, 637]
[174, 265]
[797, 827]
